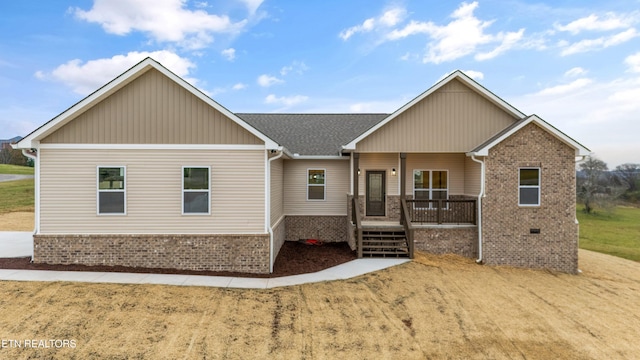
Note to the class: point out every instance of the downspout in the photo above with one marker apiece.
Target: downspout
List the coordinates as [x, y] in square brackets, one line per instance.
[268, 210]
[480, 196]
[36, 183]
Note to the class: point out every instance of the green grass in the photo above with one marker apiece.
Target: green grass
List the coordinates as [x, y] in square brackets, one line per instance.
[14, 169]
[16, 196]
[615, 233]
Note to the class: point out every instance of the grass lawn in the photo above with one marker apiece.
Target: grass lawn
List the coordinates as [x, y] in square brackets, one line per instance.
[16, 196]
[616, 233]
[14, 169]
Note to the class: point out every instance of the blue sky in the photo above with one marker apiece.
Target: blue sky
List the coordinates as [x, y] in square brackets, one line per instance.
[575, 63]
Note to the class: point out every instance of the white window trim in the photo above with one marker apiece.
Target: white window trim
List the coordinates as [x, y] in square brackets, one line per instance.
[98, 190]
[306, 181]
[183, 190]
[430, 190]
[539, 186]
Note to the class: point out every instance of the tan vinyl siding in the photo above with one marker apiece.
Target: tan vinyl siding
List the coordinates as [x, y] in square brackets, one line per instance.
[385, 162]
[152, 109]
[153, 192]
[454, 163]
[453, 119]
[472, 178]
[295, 184]
[277, 201]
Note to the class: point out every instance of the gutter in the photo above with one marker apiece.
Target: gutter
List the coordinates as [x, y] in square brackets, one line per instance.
[36, 182]
[268, 210]
[480, 196]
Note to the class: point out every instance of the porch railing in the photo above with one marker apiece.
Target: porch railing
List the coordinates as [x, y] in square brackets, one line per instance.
[357, 220]
[459, 211]
[405, 220]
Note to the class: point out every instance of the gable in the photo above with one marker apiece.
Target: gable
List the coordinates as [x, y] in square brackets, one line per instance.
[454, 118]
[152, 109]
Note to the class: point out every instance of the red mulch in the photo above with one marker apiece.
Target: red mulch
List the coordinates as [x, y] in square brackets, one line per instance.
[294, 258]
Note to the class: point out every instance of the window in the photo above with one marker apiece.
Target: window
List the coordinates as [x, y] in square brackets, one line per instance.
[111, 190]
[529, 187]
[196, 188]
[430, 185]
[315, 184]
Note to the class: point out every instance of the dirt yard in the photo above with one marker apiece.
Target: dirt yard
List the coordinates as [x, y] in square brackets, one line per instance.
[17, 221]
[435, 307]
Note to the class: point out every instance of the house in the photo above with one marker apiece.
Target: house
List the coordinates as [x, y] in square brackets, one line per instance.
[6, 143]
[148, 171]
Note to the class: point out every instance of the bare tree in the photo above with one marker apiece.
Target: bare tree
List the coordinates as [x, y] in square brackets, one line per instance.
[13, 157]
[591, 182]
[5, 156]
[628, 175]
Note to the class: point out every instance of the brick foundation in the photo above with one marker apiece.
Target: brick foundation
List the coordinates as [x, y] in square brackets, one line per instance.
[461, 240]
[325, 228]
[238, 253]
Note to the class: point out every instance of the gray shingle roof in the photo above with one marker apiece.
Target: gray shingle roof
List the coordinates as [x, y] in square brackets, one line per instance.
[312, 134]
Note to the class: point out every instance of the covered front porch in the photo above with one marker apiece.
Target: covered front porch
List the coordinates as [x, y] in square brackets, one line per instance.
[409, 200]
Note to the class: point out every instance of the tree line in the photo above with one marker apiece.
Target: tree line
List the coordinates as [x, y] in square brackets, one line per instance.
[599, 187]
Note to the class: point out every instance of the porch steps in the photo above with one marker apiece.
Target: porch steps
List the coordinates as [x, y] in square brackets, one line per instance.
[384, 243]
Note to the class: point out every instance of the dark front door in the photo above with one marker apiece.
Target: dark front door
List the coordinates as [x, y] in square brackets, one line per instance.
[376, 193]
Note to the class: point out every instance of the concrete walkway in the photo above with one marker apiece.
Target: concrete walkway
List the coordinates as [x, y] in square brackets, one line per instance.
[12, 177]
[19, 244]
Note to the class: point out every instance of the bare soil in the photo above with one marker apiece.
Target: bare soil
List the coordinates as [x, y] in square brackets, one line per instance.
[17, 221]
[436, 307]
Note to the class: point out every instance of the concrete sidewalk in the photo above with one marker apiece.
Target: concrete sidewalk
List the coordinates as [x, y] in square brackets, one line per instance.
[20, 244]
[16, 244]
[344, 271]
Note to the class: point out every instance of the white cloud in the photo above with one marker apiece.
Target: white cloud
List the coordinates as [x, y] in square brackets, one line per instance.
[388, 19]
[87, 77]
[297, 67]
[633, 62]
[565, 88]
[611, 21]
[576, 71]
[508, 41]
[252, 5]
[286, 101]
[162, 20]
[239, 86]
[460, 37]
[476, 75]
[599, 43]
[229, 54]
[265, 80]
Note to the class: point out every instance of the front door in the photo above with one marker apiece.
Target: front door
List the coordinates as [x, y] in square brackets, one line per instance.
[376, 193]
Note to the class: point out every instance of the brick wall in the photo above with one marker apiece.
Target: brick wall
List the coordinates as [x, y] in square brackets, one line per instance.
[506, 225]
[325, 228]
[447, 240]
[238, 253]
